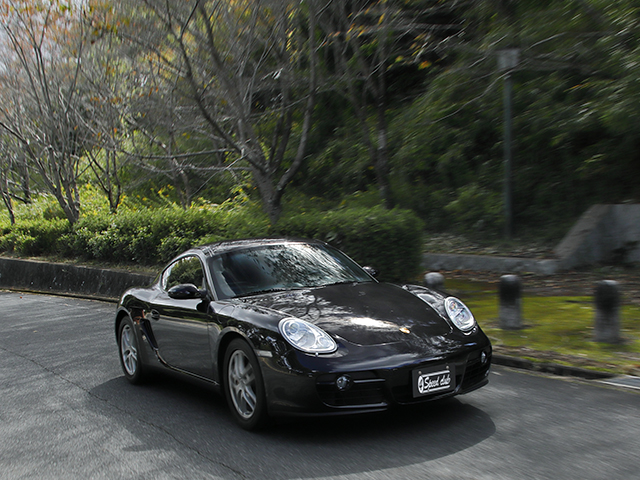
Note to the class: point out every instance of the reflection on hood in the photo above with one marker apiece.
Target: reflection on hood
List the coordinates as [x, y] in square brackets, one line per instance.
[361, 313]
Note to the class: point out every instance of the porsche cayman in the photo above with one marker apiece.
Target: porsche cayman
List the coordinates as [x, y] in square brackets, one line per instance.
[295, 327]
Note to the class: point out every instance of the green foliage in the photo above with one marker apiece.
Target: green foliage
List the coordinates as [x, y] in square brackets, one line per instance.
[34, 237]
[151, 236]
[476, 208]
[575, 134]
[146, 236]
[388, 240]
[41, 206]
[342, 167]
[448, 151]
[92, 201]
[576, 139]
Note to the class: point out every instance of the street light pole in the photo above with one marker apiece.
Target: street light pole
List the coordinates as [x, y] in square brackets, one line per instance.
[507, 61]
[508, 160]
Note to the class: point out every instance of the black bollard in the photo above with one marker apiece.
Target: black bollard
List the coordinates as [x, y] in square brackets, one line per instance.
[510, 302]
[434, 280]
[607, 319]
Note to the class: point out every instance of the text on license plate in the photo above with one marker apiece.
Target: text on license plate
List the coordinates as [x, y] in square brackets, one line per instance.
[427, 381]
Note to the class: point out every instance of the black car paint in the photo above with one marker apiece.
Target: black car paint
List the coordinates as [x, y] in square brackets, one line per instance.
[364, 318]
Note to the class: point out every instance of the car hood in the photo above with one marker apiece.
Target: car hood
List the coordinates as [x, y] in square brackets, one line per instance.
[361, 313]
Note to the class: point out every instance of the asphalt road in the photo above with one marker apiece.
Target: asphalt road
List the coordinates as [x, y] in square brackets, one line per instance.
[67, 412]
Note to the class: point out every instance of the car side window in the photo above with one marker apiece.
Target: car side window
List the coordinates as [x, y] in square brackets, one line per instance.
[185, 270]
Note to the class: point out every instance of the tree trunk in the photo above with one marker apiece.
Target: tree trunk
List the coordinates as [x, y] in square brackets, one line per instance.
[9, 204]
[382, 159]
[271, 196]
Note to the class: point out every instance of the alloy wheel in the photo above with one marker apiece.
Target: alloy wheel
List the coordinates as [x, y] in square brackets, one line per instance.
[242, 384]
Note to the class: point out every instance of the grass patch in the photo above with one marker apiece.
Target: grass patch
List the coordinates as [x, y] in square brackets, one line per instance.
[560, 329]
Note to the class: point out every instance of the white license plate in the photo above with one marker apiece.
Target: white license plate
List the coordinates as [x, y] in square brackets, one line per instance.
[432, 380]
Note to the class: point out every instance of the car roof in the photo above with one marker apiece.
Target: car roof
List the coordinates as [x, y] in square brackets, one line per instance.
[231, 245]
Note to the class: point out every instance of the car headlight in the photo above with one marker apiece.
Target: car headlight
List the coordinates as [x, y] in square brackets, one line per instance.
[459, 314]
[305, 336]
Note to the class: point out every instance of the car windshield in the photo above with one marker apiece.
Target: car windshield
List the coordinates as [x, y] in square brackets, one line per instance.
[282, 267]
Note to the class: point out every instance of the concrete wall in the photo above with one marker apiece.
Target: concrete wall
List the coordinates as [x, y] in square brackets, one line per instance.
[45, 277]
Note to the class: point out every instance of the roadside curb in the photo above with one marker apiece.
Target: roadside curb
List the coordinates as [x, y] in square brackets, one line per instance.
[549, 367]
[55, 293]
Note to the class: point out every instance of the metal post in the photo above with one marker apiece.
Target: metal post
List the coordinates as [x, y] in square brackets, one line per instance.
[434, 280]
[507, 61]
[508, 208]
[607, 320]
[510, 312]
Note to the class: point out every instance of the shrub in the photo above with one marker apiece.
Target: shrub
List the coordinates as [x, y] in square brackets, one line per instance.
[26, 244]
[152, 236]
[42, 206]
[34, 237]
[388, 240]
[7, 241]
[171, 246]
[476, 208]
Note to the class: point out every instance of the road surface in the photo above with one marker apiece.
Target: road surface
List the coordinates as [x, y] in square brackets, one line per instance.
[66, 411]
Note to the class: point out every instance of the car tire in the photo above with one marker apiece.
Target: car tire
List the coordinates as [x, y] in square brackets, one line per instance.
[243, 385]
[129, 352]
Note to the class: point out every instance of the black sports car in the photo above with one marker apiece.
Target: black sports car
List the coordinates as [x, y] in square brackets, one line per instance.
[287, 327]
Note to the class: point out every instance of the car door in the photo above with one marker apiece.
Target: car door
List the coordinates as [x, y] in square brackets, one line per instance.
[181, 326]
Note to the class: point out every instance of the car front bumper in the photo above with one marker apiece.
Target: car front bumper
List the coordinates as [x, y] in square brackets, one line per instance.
[316, 390]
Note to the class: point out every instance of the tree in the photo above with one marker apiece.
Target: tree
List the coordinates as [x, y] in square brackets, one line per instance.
[108, 82]
[374, 43]
[575, 96]
[45, 44]
[14, 175]
[249, 69]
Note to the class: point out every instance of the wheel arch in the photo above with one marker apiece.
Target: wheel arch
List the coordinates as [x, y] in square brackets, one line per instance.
[120, 316]
[123, 313]
[226, 339]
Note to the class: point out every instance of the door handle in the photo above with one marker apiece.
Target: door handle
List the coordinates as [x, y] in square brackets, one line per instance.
[155, 315]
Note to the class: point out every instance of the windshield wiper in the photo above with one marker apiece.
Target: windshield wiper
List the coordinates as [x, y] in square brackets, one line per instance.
[268, 290]
[347, 282]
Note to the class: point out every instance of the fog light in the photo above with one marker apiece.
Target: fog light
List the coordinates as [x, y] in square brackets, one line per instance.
[343, 382]
[484, 357]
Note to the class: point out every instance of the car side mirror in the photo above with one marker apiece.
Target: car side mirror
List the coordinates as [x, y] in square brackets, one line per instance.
[371, 271]
[186, 291]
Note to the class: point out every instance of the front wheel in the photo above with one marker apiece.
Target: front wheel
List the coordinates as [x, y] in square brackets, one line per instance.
[243, 385]
[129, 352]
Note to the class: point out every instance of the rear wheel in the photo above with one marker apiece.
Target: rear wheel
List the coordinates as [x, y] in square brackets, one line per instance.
[129, 352]
[243, 385]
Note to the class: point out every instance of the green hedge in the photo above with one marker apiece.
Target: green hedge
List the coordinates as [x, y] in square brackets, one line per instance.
[34, 237]
[155, 236]
[149, 236]
[388, 240]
